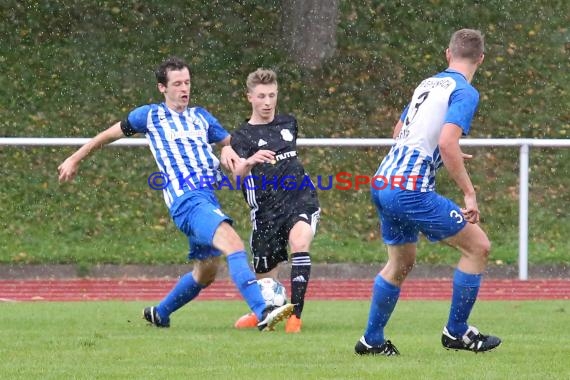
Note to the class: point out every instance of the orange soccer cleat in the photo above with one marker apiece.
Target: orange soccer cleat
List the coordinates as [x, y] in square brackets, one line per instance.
[247, 321]
[293, 325]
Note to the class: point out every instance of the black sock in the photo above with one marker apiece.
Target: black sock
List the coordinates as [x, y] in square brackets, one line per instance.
[300, 274]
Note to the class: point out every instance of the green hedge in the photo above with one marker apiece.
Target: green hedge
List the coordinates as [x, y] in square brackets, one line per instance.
[72, 69]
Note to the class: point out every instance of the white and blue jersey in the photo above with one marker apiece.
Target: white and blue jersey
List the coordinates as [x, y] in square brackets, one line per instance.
[180, 144]
[444, 98]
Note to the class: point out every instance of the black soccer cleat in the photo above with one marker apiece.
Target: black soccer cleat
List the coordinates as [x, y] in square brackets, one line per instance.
[385, 349]
[152, 317]
[472, 340]
[273, 315]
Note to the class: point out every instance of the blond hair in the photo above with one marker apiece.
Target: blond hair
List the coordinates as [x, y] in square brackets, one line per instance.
[260, 76]
[467, 44]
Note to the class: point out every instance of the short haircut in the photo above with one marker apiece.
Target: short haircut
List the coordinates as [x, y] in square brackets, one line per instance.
[467, 44]
[170, 64]
[260, 76]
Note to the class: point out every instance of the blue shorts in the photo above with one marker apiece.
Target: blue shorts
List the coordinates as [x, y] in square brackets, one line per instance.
[404, 214]
[198, 214]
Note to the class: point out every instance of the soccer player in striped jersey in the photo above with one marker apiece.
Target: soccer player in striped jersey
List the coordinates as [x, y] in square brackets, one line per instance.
[427, 138]
[282, 199]
[180, 138]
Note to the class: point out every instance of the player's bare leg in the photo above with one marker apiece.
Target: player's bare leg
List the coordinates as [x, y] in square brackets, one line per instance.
[401, 261]
[227, 240]
[474, 246]
[205, 271]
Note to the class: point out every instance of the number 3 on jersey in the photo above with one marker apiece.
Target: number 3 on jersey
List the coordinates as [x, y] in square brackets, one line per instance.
[456, 215]
[414, 110]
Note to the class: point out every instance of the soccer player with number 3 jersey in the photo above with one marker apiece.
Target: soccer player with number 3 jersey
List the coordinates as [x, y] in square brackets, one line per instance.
[427, 138]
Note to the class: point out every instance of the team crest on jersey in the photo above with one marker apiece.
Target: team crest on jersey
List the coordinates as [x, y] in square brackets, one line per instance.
[286, 134]
[261, 142]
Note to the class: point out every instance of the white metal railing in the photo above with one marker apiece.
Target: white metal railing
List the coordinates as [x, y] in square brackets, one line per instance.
[523, 144]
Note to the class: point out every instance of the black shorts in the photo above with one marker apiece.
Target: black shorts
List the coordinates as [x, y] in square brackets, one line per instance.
[270, 238]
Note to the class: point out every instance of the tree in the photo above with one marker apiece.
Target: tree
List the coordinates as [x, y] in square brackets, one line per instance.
[309, 30]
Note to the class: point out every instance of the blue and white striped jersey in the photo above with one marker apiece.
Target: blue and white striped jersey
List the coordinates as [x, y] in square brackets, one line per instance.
[180, 144]
[446, 97]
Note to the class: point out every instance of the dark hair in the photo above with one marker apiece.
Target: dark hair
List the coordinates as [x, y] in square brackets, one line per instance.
[170, 64]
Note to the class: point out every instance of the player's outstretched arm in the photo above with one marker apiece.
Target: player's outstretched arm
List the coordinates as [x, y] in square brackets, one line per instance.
[68, 169]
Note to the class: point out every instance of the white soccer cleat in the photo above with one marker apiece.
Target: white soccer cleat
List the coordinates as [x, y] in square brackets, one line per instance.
[273, 315]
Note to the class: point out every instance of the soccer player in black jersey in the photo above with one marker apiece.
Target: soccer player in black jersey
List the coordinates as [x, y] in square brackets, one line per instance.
[283, 200]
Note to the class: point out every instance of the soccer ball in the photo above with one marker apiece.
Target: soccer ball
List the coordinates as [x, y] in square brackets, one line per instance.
[273, 291]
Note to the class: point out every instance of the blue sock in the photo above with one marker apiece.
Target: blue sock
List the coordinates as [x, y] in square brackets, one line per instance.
[384, 298]
[185, 290]
[245, 281]
[465, 289]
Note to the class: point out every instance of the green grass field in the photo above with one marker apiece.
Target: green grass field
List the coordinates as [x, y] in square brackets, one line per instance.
[108, 340]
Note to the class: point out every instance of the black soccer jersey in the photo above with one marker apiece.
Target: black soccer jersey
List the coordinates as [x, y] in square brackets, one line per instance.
[278, 188]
